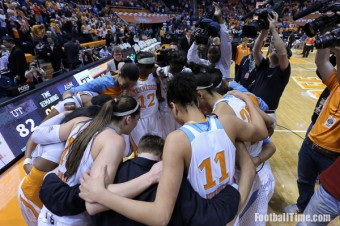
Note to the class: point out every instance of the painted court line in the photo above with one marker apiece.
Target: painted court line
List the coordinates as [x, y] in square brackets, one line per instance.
[289, 131]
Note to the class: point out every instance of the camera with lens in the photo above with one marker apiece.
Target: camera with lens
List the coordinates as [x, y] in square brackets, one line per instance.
[321, 24]
[260, 18]
[328, 40]
[163, 56]
[207, 27]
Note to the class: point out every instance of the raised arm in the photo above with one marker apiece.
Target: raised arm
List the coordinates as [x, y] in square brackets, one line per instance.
[323, 64]
[193, 56]
[258, 46]
[225, 47]
[277, 41]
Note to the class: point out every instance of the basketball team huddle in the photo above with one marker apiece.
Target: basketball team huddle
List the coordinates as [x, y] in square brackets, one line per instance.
[166, 148]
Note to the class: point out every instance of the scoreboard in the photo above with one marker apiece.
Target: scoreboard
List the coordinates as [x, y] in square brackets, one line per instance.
[20, 116]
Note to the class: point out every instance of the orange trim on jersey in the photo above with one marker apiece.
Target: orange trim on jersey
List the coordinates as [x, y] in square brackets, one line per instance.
[32, 184]
[113, 91]
[254, 99]
[60, 174]
[326, 129]
[36, 214]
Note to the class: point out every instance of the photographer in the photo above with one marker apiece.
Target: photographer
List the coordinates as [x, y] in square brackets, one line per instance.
[321, 147]
[219, 54]
[272, 74]
[35, 74]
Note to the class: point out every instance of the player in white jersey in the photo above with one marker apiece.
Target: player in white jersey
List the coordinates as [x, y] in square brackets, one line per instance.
[145, 93]
[44, 159]
[81, 99]
[263, 186]
[178, 155]
[90, 145]
[176, 65]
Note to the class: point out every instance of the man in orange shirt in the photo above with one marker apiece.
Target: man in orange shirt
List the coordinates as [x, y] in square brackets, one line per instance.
[309, 46]
[242, 50]
[321, 146]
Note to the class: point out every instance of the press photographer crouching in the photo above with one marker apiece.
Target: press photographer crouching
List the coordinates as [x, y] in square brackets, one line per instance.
[219, 53]
[272, 75]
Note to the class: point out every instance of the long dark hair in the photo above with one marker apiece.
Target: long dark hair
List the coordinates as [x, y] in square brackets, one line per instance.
[105, 117]
[182, 90]
[90, 111]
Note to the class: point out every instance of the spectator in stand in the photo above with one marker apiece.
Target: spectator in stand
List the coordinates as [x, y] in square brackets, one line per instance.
[109, 37]
[38, 32]
[37, 13]
[55, 54]
[35, 74]
[71, 49]
[3, 29]
[5, 83]
[104, 52]
[4, 53]
[17, 60]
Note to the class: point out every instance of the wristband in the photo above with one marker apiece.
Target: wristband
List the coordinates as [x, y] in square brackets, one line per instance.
[28, 161]
[69, 100]
[70, 97]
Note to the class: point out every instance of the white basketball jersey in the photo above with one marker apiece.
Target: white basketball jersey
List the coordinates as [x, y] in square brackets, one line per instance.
[212, 162]
[164, 86]
[145, 93]
[240, 109]
[85, 163]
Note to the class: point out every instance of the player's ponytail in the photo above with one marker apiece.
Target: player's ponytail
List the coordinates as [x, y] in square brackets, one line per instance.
[112, 111]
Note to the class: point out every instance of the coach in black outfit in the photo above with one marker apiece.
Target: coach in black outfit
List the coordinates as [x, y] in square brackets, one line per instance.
[55, 54]
[16, 61]
[272, 75]
[186, 41]
[71, 49]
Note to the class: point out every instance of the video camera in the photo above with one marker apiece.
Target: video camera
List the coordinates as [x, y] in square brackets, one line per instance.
[207, 27]
[260, 18]
[163, 56]
[328, 40]
[323, 24]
